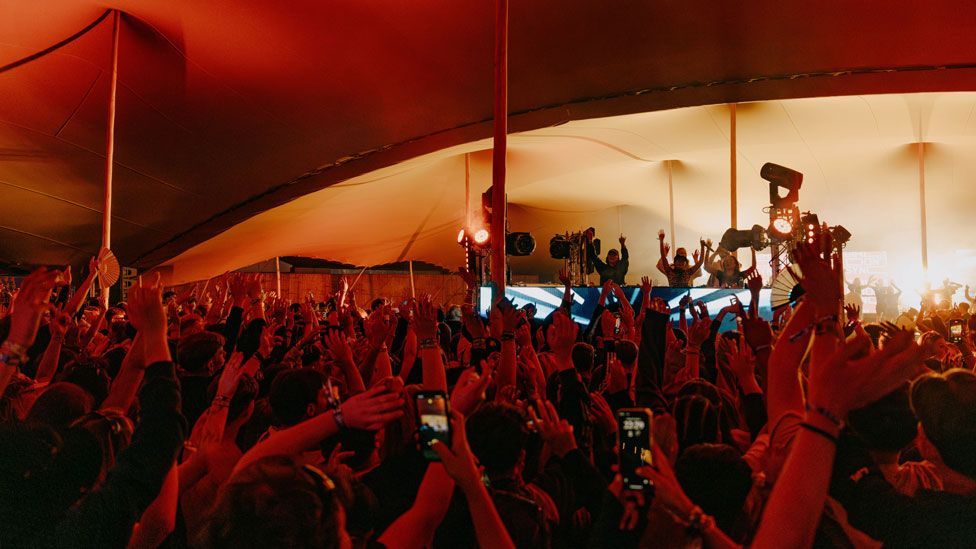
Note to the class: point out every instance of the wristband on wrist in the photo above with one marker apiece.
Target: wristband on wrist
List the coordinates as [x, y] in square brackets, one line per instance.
[762, 348]
[428, 343]
[12, 354]
[221, 401]
[826, 414]
[819, 431]
[508, 336]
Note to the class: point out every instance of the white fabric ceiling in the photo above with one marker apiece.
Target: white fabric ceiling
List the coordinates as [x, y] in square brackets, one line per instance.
[857, 153]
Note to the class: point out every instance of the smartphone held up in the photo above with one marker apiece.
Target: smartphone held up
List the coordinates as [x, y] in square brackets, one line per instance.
[634, 445]
[435, 422]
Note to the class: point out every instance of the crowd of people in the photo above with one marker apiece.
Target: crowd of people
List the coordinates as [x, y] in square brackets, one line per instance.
[225, 416]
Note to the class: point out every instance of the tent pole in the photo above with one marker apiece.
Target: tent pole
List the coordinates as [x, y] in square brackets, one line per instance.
[921, 203]
[413, 288]
[733, 151]
[671, 203]
[499, 150]
[278, 275]
[467, 191]
[110, 144]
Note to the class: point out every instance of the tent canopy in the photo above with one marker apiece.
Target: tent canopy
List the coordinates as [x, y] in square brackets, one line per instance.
[228, 110]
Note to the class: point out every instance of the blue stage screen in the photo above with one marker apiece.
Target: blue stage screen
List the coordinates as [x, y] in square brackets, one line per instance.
[548, 298]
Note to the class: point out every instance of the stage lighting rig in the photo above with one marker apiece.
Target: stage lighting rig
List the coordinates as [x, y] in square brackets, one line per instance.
[754, 238]
[840, 235]
[519, 244]
[781, 177]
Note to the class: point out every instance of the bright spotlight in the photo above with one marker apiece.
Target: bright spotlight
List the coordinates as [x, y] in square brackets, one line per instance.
[481, 237]
[782, 226]
[461, 236]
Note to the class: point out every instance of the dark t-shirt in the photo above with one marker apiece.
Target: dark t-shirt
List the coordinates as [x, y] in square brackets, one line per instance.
[928, 519]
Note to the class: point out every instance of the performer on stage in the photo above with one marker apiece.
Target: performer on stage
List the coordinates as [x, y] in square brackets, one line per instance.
[616, 265]
[681, 273]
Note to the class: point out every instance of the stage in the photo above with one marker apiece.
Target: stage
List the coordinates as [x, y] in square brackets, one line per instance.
[548, 298]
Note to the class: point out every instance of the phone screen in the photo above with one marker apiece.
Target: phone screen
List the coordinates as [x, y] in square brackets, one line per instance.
[955, 330]
[634, 438]
[434, 422]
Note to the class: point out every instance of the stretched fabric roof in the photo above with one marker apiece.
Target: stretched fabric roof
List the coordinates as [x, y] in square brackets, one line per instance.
[229, 109]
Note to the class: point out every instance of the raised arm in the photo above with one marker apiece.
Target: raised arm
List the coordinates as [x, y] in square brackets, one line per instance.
[126, 384]
[74, 304]
[370, 410]
[25, 319]
[460, 464]
[662, 264]
[417, 526]
[48, 366]
[425, 323]
[336, 342]
[699, 257]
[106, 516]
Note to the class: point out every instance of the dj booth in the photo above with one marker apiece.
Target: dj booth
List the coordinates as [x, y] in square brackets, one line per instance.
[548, 298]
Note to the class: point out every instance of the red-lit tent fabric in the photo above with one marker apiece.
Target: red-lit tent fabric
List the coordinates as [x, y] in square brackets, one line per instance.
[230, 108]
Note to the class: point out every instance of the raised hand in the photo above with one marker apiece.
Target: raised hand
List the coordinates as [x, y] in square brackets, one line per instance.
[146, 313]
[608, 325]
[646, 285]
[425, 318]
[336, 342]
[660, 306]
[622, 239]
[32, 300]
[853, 312]
[699, 332]
[556, 432]
[230, 377]
[562, 335]
[254, 290]
[754, 282]
[145, 306]
[59, 324]
[842, 382]
[820, 277]
[667, 248]
[741, 360]
[667, 490]
[238, 289]
[457, 458]
[472, 322]
[702, 310]
[469, 391]
[660, 235]
[564, 276]
[695, 255]
[373, 409]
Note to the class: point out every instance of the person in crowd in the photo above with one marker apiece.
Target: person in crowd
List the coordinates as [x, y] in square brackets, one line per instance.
[615, 267]
[227, 416]
[681, 273]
